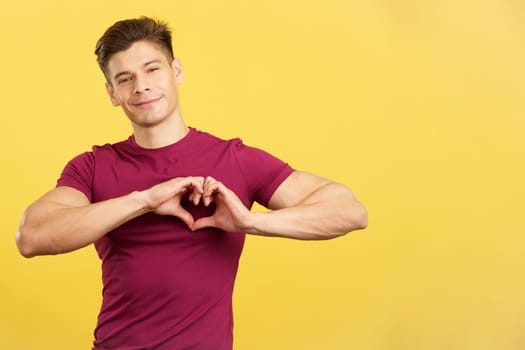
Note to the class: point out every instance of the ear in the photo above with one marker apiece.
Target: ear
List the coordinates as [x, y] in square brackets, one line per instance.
[111, 93]
[177, 70]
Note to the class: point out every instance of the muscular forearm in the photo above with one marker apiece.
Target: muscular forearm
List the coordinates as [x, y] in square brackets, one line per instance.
[328, 212]
[63, 219]
[53, 228]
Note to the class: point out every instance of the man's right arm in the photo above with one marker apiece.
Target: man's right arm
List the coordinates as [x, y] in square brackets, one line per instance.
[64, 220]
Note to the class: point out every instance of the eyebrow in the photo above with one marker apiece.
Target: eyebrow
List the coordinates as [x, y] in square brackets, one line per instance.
[119, 74]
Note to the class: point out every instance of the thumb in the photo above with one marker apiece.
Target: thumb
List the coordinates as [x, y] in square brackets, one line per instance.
[185, 216]
[208, 221]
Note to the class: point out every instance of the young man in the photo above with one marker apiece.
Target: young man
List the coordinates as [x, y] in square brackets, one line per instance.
[167, 209]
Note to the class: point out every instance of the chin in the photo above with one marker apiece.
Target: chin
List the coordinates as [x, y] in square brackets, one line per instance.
[148, 121]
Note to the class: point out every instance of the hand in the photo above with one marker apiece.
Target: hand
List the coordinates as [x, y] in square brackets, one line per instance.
[165, 198]
[230, 213]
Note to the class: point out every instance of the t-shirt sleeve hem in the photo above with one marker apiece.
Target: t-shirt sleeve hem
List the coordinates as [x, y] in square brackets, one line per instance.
[79, 173]
[74, 185]
[283, 174]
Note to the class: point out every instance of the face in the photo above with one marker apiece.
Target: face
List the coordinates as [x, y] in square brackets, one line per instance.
[144, 83]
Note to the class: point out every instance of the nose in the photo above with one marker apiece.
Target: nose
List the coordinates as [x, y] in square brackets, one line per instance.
[141, 85]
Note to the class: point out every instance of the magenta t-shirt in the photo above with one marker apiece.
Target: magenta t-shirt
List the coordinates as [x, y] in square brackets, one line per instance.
[166, 287]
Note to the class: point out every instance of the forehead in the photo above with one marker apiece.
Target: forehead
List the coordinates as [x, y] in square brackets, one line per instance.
[133, 58]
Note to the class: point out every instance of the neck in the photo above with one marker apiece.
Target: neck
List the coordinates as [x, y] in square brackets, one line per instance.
[160, 135]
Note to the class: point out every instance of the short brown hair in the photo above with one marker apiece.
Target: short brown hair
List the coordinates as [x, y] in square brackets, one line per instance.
[121, 35]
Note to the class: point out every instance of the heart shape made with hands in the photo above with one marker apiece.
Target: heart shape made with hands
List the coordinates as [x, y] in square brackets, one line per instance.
[203, 202]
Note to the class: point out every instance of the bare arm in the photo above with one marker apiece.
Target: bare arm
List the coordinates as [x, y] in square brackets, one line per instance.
[64, 220]
[304, 206]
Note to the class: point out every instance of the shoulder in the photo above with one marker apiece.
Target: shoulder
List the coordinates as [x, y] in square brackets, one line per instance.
[200, 136]
[87, 159]
[205, 141]
[82, 160]
[112, 147]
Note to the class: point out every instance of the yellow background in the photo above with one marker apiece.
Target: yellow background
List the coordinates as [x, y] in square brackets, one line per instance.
[416, 105]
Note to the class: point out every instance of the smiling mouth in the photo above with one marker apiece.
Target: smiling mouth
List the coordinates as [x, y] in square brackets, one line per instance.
[147, 103]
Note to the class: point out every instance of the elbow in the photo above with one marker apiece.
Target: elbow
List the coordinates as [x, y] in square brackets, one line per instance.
[26, 249]
[30, 242]
[354, 213]
[23, 241]
[355, 219]
[361, 218]
[27, 240]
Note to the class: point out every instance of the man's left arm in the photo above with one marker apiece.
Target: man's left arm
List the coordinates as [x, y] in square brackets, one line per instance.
[304, 206]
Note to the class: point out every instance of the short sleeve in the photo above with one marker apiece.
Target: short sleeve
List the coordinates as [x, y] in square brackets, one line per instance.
[79, 173]
[262, 171]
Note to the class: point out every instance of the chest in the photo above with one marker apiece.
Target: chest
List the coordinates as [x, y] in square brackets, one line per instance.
[122, 174]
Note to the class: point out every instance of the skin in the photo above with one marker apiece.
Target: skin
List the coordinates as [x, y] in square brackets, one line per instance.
[143, 82]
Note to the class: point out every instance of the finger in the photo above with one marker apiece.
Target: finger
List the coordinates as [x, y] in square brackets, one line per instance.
[195, 197]
[211, 186]
[196, 183]
[208, 183]
[185, 216]
[202, 223]
[194, 186]
[197, 189]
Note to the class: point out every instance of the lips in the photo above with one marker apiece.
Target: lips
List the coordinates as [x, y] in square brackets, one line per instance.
[146, 103]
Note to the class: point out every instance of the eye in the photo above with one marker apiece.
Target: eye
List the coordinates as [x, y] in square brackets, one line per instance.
[123, 80]
[153, 69]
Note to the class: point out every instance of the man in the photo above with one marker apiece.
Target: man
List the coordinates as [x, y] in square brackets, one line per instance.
[167, 209]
